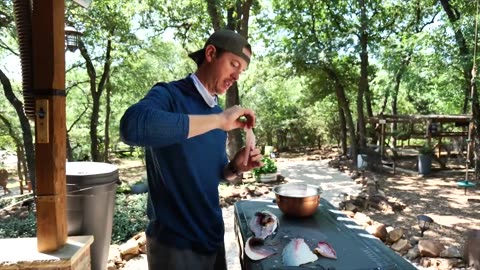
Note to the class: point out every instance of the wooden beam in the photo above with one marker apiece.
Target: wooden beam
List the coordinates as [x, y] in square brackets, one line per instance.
[48, 35]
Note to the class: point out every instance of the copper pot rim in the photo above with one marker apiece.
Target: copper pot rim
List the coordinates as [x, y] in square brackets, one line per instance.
[315, 190]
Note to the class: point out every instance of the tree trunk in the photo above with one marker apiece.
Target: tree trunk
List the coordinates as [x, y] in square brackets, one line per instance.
[470, 87]
[363, 83]
[343, 103]
[464, 53]
[26, 128]
[108, 110]
[96, 93]
[343, 130]
[69, 149]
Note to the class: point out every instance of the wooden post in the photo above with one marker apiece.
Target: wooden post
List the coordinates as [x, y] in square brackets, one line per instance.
[48, 35]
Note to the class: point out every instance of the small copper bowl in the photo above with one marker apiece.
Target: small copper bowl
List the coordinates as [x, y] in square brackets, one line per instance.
[297, 199]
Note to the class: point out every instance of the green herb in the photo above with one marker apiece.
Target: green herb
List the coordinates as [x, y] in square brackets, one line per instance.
[269, 166]
[426, 149]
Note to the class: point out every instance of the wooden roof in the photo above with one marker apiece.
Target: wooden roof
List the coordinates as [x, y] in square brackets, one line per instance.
[420, 118]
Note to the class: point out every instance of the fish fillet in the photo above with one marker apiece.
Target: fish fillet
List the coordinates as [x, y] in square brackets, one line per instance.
[263, 224]
[297, 252]
[257, 251]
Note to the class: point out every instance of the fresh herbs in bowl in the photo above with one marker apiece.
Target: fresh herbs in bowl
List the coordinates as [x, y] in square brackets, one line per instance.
[269, 166]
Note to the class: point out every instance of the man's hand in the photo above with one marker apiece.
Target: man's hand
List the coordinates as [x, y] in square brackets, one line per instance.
[254, 159]
[231, 118]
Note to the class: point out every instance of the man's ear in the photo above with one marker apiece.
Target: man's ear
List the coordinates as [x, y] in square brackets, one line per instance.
[210, 51]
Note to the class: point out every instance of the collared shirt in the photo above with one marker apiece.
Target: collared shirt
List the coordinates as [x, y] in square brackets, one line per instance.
[209, 99]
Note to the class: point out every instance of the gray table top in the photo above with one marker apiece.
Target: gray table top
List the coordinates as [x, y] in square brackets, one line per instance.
[356, 249]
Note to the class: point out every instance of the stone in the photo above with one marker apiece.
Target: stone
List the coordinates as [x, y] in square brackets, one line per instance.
[401, 246]
[430, 248]
[451, 252]
[362, 219]
[130, 247]
[395, 235]
[351, 207]
[111, 266]
[349, 214]
[378, 230]
[114, 254]
[471, 248]
[413, 253]
[440, 263]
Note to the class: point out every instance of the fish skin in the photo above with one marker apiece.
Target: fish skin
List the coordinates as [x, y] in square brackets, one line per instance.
[258, 251]
[326, 250]
[263, 224]
[249, 144]
[297, 252]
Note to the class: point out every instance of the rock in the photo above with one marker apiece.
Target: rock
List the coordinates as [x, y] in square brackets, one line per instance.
[395, 235]
[440, 263]
[471, 248]
[451, 252]
[111, 266]
[430, 248]
[378, 230]
[141, 238]
[349, 214]
[413, 253]
[129, 248]
[351, 207]
[414, 240]
[401, 246]
[114, 254]
[362, 219]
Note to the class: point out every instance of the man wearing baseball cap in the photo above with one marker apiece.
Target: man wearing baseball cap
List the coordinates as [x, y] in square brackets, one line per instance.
[184, 133]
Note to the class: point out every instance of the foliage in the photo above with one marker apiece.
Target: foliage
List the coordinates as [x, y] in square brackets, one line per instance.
[269, 166]
[130, 216]
[426, 149]
[15, 227]
[4, 202]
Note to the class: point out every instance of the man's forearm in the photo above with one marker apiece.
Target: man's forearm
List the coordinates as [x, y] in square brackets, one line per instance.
[199, 124]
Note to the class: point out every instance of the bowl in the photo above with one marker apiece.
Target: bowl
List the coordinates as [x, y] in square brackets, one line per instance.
[297, 199]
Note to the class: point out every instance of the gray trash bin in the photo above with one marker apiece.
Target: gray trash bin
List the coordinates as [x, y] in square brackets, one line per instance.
[91, 189]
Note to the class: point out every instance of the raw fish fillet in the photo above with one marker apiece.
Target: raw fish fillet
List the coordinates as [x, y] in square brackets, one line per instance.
[263, 224]
[255, 249]
[326, 250]
[249, 144]
[296, 253]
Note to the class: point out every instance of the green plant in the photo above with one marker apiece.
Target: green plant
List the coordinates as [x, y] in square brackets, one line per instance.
[269, 166]
[129, 217]
[426, 149]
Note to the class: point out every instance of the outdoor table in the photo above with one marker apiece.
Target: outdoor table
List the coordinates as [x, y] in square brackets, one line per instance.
[356, 249]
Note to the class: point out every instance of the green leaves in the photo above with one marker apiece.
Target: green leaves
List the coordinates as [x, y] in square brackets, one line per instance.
[269, 166]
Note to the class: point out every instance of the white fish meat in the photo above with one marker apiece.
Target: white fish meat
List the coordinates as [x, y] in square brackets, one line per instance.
[249, 144]
[297, 252]
[326, 250]
[263, 224]
[255, 249]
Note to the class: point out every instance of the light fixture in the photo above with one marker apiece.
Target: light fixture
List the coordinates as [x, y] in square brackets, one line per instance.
[424, 223]
[72, 38]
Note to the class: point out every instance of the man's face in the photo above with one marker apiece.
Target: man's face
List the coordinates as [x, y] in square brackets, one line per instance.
[226, 69]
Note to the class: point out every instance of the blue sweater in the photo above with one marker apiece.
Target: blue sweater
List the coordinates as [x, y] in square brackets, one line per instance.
[183, 174]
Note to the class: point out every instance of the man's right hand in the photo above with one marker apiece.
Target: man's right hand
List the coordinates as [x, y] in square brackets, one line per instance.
[231, 118]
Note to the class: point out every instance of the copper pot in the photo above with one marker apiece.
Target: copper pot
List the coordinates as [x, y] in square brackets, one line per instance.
[297, 199]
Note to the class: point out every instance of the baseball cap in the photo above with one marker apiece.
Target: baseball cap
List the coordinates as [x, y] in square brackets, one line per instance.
[227, 40]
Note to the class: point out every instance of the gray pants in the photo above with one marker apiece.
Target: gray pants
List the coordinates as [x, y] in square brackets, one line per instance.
[160, 256]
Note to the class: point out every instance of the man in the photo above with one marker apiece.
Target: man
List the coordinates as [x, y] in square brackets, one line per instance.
[184, 134]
